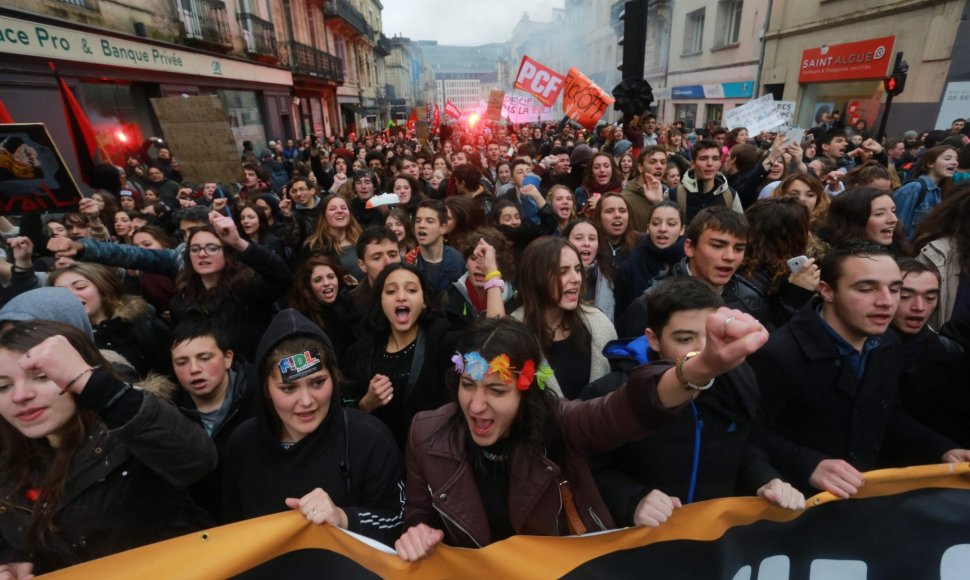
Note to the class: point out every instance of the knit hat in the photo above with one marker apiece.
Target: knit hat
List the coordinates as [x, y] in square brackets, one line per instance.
[910, 135]
[48, 303]
[581, 155]
[346, 154]
[621, 147]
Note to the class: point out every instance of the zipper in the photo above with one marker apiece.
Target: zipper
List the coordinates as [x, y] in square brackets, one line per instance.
[451, 520]
[596, 518]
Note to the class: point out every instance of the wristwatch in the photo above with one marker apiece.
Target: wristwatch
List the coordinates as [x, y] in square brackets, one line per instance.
[682, 376]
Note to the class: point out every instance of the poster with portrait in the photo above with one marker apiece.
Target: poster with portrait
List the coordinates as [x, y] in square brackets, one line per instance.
[823, 112]
[33, 175]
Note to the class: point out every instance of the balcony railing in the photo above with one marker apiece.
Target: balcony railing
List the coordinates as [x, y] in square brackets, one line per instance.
[345, 11]
[304, 59]
[383, 47]
[260, 35]
[205, 21]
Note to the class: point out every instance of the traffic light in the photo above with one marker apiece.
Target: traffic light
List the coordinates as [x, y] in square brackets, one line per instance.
[897, 82]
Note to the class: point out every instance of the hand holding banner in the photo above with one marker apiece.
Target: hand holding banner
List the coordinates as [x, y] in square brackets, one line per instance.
[582, 100]
[539, 80]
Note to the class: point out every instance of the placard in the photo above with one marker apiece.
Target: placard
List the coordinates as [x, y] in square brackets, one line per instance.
[33, 175]
[756, 116]
[525, 110]
[583, 101]
[493, 112]
[197, 129]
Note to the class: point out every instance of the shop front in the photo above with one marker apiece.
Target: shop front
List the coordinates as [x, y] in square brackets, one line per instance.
[704, 105]
[114, 76]
[846, 78]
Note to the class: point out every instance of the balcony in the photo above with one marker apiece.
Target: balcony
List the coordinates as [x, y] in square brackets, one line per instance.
[383, 47]
[206, 23]
[345, 11]
[260, 37]
[304, 59]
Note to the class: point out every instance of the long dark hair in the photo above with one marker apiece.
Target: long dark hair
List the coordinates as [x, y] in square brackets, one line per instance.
[233, 276]
[603, 262]
[629, 237]
[535, 423]
[778, 231]
[260, 216]
[847, 217]
[34, 463]
[540, 287]
[301, 296]
[616, 178]
[377, 326]
[949, 219]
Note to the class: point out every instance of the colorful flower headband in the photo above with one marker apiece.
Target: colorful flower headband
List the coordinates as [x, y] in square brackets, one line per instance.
[475, 365]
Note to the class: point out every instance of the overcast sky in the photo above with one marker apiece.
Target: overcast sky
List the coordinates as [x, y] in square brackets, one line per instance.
[461, 21]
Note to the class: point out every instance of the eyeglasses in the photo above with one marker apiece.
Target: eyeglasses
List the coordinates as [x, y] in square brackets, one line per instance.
[209, 249]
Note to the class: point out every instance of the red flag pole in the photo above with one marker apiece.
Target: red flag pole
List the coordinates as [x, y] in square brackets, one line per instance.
[85, 142]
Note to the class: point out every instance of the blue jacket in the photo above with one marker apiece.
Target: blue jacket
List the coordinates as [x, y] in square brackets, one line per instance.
[906, 197]
[452, 267]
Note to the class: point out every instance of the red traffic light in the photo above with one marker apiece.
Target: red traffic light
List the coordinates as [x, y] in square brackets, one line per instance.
[891, 84]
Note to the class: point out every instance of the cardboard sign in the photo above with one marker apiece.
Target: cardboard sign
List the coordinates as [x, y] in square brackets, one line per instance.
[582, 100]
[787, 110]
[198, 131]
[866, 59]
[756, 116]
[539, 81]
[494, 110]
[525, 110]
[33, 176]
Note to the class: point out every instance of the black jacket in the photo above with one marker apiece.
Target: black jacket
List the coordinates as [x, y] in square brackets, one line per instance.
[125, 487]
[351, 456]
[738, 293]
[816, 408]
[730, 460]
[243, 405]
[645, 265]
[243, 313]
[781, 303]
[136, 334]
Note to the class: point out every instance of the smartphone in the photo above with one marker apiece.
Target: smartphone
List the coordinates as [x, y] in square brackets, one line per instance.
[796, 263]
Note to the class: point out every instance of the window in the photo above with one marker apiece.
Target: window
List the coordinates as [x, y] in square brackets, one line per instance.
[694, 32]
[714, 114]
[687, 114]
[728, 22]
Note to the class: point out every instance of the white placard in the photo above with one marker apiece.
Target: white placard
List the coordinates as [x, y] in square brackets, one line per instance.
[787, 110]
[955, 104]
[756, 116]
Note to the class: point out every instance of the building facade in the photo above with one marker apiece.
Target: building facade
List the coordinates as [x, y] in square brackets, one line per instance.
[353, 29]
[714, 53]
[832, 56]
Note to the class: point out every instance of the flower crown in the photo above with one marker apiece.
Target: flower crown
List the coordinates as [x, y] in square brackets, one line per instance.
[475, 365]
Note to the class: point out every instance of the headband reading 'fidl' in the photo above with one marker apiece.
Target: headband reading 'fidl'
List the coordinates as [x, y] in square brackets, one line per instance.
[299, 365]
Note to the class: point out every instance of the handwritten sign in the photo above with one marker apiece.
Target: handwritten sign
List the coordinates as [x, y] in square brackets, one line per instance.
[787, 110]
[756, 116]
[539, 80]
[582, 100]
[525, 110]
[33, 176]
[198, 129]
[494, 110]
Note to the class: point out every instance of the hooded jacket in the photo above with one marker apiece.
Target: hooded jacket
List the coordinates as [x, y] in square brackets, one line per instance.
[351, 455]
[646, 263]
[690, 199]
[136, 334]
[48, 303]
[459, 308]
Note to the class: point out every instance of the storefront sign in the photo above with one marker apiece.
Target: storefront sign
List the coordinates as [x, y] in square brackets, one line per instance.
[46, 41]
[866, 59]
[742, 90]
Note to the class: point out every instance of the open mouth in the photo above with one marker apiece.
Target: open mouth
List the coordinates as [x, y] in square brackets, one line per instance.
[481, 427]
[586, 256]
[198, 384]
[402, 314]
[880, 319]
[329, 292]
[724, 272]
[571, 295]
[306, 415]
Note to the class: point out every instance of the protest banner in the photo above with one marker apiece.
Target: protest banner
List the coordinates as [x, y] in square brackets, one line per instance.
[582, 100]
[757, 116]
[927, 508]
[539, 81]
[33, 176]
[493, 111]
[525, 110]
[452, 110]
[198, 131]
[787, 110]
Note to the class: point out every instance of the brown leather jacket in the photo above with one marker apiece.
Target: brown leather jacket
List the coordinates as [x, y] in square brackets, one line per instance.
[441, 487]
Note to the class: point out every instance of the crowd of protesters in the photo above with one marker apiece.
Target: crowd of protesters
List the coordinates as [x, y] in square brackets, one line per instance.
[501, 330]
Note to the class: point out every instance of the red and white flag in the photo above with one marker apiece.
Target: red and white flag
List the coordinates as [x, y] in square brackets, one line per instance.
[452, 110]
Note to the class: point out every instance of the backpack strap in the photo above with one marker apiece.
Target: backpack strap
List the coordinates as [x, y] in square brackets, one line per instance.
[681, 195]
[923, 189]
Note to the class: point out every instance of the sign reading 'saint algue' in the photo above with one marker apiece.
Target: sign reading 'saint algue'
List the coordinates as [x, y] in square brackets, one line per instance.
[46, 41]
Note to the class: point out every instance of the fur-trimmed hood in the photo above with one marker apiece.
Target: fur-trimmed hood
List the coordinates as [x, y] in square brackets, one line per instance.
[133, 308]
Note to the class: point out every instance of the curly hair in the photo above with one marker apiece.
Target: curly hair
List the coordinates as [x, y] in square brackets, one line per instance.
[778, 230]
[235, 274]
[301, 297]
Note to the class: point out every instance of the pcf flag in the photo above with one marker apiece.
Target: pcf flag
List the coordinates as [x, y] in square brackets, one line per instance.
[539, 80]
[582, 100]
[452, 110]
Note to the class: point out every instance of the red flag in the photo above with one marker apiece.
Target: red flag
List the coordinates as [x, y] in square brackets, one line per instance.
[437, 117]
[85, 142]
[539, 80]
[4, 114]
[452, 110]
[582, 100]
